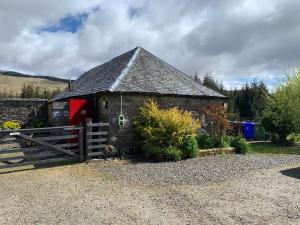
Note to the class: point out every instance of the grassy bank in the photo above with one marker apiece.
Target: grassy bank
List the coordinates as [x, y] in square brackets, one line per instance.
[269, 148]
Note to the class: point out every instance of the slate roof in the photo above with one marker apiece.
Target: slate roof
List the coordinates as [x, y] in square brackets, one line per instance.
[136, 71]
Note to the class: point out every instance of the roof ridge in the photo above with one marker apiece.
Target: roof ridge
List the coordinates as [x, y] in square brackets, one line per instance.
[125, 70]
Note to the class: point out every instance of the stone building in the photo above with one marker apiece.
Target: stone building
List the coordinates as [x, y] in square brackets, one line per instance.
[113, 92]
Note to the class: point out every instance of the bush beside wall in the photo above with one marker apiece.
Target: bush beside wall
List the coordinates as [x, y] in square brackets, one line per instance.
[166, 134]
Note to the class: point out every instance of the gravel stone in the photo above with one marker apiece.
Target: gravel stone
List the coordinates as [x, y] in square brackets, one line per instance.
[215, 190]
[196, 170]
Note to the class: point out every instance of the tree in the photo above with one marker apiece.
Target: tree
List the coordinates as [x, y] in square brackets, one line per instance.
[23, 91]
[37, 92]
[282, 115]
[29, 91]
[248, 103]
[211, 83]
[277, 118]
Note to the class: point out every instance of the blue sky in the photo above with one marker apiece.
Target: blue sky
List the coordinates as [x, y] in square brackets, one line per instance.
[70, 23]
[236, 42]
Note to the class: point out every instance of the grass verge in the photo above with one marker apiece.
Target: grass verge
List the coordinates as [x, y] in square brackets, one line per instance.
[269, 148]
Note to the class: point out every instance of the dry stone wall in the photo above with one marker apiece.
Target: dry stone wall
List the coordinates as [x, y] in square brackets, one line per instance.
[23, 110]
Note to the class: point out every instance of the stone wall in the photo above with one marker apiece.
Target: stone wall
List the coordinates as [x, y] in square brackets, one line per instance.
[123, 137]
[23, 110]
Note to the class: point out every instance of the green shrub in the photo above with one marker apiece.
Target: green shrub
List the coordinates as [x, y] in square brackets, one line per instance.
[11, 125]
[172, 154]
[162, 127]
[39, 123]
[156, 153]
[152, 152]
[226, 141]
[166, 134]
[241, 144]
[293, 138]
[235, 141]
[189, 147]
[244, 147]
[205, 141]
[275, 139]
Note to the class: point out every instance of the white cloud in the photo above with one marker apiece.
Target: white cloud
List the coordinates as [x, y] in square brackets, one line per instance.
[231, 39]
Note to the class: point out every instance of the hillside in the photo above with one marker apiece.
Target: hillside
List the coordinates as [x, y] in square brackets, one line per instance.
[12, 82]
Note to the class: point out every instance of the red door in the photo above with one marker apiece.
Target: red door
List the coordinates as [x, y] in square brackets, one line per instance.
[80, 109]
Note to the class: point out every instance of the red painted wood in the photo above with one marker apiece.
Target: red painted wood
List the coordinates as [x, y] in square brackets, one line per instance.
[80, 109]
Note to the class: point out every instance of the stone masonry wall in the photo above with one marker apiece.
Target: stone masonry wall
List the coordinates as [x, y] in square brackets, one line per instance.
[23, 110]
[123, 137]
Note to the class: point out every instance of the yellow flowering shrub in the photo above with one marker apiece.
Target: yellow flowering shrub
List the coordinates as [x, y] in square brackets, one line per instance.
[164, 127]
[10, 124]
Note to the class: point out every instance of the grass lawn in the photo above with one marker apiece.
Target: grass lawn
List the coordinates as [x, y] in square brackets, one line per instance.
[274, 149]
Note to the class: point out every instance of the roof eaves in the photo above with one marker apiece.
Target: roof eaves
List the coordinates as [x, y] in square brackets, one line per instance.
[124, 71]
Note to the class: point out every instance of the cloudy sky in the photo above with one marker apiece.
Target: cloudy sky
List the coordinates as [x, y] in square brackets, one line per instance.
[235, 41]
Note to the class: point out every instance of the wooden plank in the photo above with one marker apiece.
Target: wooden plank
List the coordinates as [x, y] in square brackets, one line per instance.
[40, 130]
[95, 147]
[68, 145]
[71, 128]
[87, 137]
[53, 138]
[4, 137]
[15, 150]
[97, 133]
[98, 124]
[97, 140]
[38, 148]
[77, 150]
[91, 154]
[47, 144]
[11, 139]
[41, 162]
[81, 150]
[34, 156]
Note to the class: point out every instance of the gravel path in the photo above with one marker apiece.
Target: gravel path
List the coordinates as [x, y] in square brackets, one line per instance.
[196, 171]
[226, 190]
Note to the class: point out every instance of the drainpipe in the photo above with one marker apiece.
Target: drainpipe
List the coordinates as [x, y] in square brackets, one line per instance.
[121, 109]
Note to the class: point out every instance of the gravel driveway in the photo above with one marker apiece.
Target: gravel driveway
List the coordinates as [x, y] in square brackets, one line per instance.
[225, 189]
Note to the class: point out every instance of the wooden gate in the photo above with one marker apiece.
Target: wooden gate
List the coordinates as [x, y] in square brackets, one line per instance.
[41, 146]
[96, 138]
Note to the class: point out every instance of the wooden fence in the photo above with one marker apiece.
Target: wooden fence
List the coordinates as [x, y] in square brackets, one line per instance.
[41, 146]
[38, 146]
[96, 139]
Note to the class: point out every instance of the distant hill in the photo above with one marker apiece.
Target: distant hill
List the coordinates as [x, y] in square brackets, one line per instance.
[12, 82]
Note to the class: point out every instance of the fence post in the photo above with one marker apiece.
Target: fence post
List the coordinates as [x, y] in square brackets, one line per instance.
[88, 128]
[81, 150]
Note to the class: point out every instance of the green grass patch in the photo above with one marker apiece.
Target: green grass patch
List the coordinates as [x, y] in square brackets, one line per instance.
[269, 148]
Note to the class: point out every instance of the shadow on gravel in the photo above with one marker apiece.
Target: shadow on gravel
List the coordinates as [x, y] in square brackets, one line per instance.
[34, 167]
[295, 172]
